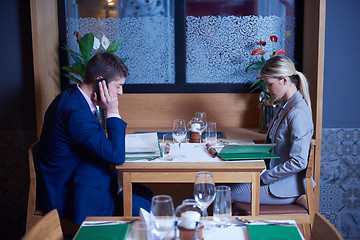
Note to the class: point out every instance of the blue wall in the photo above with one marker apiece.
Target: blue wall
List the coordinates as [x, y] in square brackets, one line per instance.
[341, 107]
[17, 102]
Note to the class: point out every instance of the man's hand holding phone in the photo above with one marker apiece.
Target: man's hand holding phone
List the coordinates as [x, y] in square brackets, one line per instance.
[105, 99]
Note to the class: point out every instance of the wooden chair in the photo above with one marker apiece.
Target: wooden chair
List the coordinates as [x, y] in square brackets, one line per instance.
[323, 229]
[48, 227]
[302, 211]
[33, 213]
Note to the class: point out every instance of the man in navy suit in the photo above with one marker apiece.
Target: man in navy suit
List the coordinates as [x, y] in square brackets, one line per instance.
[75, 154]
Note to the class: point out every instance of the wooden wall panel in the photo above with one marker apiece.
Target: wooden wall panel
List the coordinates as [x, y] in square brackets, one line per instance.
[313, 67]
[159, 110]
[45, 40]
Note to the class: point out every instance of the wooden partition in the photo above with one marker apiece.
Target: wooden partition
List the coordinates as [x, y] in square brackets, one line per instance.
[45, 41]
[160, 110]
[313, 67]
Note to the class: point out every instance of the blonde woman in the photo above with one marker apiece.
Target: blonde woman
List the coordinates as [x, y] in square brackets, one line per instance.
[291, 130]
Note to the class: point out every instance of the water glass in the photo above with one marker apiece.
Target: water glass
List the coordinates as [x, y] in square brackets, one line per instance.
[139, 231]
[179, 134]
[202, 117]
[166, 150]
[162, 217]
[222, 207]
[211, 133]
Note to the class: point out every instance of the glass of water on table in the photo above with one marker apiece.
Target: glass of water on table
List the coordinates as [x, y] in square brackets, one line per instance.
[179, 134]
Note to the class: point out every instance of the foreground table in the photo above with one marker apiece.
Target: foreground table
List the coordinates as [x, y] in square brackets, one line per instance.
[184, 171]
[233, 232]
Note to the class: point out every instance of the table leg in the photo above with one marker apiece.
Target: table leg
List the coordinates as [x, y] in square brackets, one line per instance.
[255, 194]
[127, 194]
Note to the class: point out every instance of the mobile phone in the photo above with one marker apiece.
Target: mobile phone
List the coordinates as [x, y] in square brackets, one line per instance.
[97, 88]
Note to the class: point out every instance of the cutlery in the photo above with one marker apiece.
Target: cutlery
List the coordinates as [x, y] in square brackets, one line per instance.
[106, 223]
[243, 222]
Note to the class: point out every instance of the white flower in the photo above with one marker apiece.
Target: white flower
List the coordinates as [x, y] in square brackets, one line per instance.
[105, 42]
[96, 43]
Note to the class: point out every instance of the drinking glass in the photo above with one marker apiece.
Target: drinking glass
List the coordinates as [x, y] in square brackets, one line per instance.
[211, 133]
[202, 117]
[222, 206]
[179, 132]
[139, 231]
[162, 217]
[166, 150]
[204, 193]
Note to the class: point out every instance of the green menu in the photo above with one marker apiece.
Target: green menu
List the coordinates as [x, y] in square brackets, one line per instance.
[247, 151]
[103, 232]
[273, 232]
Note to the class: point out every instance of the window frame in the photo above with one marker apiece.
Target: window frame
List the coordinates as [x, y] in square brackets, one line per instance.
[180, 85]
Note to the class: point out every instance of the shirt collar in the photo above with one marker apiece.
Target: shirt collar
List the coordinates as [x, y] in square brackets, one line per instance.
[88, 100]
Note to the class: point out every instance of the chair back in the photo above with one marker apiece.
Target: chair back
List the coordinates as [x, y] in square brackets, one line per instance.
[309, 176]
[48, 227]
[323, 229]
[33, 215]
[302, 211]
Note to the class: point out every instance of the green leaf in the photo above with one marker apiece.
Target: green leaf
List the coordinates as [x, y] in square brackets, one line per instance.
[114, 46]
[256, 65]
[68, 69]
[124, 59]
[78, 68]
[73, 78]
[71, 51]
[86, 45]
[262, 85]
[76, 58]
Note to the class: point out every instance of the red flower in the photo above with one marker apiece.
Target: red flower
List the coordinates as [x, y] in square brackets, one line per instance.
[261, 43]
[280, 51]
[273, 38]
[258, 51]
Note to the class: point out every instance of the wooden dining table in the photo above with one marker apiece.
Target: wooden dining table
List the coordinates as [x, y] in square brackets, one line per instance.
[184, 171]
[237, 230]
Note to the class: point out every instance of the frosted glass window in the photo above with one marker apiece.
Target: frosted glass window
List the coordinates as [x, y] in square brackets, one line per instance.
[220, 36]
[215, 38]
[146, 25]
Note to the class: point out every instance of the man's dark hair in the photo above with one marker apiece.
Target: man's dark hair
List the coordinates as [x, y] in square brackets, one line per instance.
[107, 65]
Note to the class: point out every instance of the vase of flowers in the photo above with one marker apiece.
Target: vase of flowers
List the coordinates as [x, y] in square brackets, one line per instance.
[268, 105]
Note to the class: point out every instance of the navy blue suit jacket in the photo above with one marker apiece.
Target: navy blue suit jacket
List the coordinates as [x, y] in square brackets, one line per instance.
[74, 157]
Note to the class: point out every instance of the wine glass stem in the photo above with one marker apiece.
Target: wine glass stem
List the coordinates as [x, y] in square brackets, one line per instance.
[204, 216]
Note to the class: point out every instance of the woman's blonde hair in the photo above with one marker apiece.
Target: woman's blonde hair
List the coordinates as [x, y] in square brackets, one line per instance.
[280, 66]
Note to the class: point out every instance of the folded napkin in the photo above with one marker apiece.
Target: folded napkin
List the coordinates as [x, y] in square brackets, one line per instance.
[211, 150]
[144, 216]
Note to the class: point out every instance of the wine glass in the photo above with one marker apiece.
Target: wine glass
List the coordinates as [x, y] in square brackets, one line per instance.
[179, 131]
[162, 217]
[204, 193]
[202, 117]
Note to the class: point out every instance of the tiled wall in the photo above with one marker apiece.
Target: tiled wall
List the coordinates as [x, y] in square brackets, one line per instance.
[340, 180]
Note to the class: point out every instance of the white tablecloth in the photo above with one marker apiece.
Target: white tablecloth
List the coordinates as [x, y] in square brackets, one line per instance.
[192, 152]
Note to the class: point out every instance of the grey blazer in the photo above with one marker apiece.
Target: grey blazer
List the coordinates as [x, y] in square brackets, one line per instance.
[292, 132]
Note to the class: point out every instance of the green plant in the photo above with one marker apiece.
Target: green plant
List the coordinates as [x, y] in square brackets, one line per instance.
[88, 45]
[265, 96]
